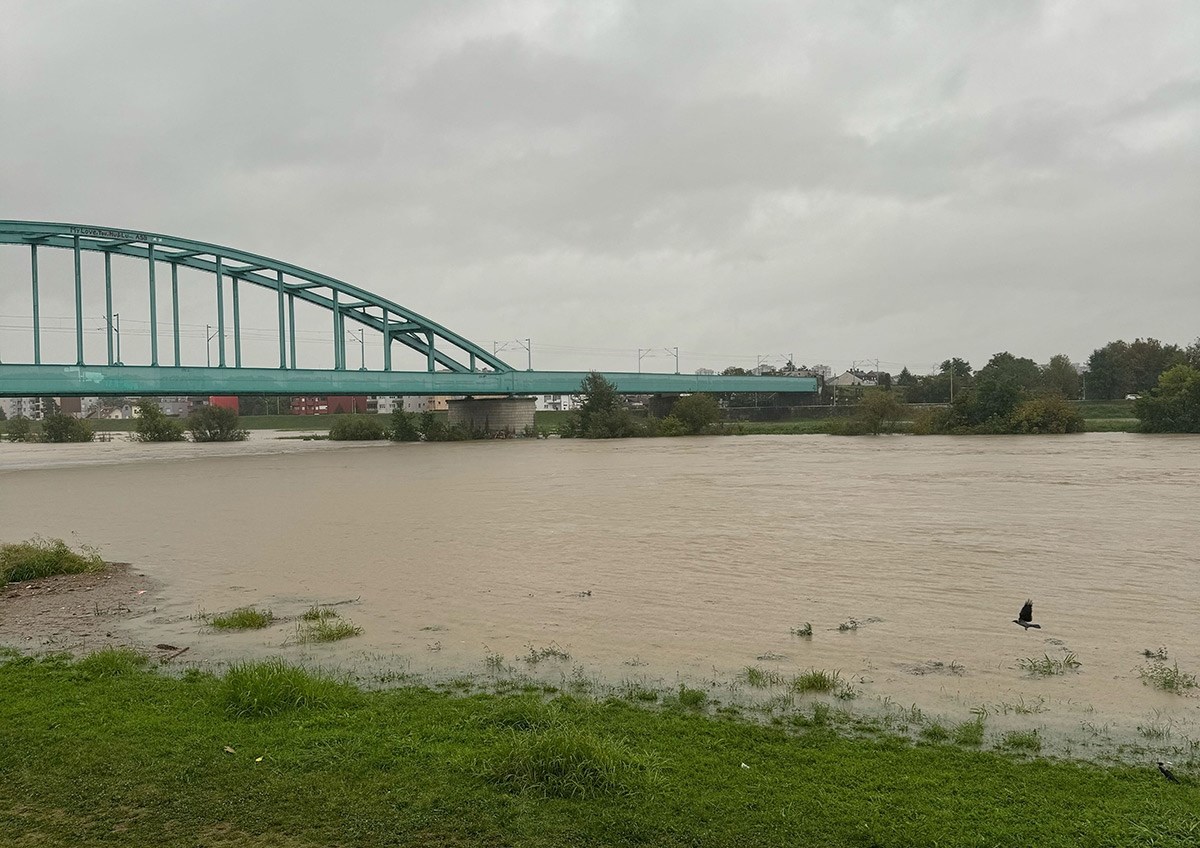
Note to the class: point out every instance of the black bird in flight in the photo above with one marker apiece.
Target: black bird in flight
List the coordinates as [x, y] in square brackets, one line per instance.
[1166, 772]
[1025, 618]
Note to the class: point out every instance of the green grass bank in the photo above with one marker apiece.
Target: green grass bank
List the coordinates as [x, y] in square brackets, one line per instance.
[36, 558]
[109, 751]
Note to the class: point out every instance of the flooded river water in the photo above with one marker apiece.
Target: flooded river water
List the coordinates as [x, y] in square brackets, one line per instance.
[675, 560]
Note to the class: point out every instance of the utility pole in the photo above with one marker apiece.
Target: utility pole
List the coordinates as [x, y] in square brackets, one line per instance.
[208, 331]
[362, 348]
[115, 323]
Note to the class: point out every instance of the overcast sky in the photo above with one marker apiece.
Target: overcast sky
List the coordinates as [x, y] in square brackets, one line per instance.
[838, 181]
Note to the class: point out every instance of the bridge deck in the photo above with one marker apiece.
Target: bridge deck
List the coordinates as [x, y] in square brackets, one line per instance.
[139, 380]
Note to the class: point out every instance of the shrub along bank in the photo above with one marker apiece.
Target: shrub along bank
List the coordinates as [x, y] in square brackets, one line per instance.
[108, 751]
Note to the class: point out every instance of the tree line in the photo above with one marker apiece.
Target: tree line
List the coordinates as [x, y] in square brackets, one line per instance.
[207, 424]
[1112, 372]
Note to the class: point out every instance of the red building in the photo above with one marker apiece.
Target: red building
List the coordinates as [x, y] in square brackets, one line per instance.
[332, 405]
[224, 401]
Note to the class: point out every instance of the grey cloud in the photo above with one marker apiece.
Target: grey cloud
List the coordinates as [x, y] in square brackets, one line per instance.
[913, 180]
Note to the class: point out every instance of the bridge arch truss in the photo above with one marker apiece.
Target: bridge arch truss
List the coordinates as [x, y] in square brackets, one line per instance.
[443, 349]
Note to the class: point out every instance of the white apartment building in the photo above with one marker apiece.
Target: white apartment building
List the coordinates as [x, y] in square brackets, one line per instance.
[24, 407]
[555, 403]
[384, 404]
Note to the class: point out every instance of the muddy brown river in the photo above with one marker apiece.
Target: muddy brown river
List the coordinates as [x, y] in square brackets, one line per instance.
[671, 561]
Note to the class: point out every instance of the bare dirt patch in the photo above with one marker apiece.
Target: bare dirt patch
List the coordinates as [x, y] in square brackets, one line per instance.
[73, 612]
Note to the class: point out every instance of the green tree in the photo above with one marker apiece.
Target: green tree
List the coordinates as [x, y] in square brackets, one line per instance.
[994, 399]
[1173, 406]
[153, 425]
[1049, 413]
[1061, 376]
[1022, 372]
[404, 427]
[1148, 358]
[960, 368]
[601, 414]
[878, 411]
[435, 427]
[697, 412]
[57, 427]
[216, 424]
[19, 429]
[1191, 354]
[357, 428]
[3, 415]
[952, 380]
[672, 426]
[1108, 372]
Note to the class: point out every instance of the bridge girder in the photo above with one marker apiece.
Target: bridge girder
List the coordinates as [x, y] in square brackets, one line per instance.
[394, 322]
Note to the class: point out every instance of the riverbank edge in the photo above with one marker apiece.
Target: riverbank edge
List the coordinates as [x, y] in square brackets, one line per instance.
[532, 765]
[1099, 417]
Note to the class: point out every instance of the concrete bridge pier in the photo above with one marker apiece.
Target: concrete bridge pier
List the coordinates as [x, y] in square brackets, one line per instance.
[511, 415]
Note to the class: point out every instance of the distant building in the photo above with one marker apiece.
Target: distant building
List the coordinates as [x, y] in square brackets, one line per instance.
[426, 403]
[556, 403]
[179, 407]
[384, 404]
[224, 401]
[32, 408]
[852, 378]
[329, 405]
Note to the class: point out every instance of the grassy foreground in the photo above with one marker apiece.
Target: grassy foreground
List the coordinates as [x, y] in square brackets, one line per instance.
[106, 751]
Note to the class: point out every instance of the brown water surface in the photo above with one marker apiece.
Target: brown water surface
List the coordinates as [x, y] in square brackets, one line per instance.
[700, 556]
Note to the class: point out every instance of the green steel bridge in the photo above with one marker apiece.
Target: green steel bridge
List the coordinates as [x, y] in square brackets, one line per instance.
[452, 364]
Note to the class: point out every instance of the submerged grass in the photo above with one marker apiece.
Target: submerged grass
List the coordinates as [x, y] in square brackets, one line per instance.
[322, 624]
[816, 680]
[1048, 666]
[36, 558]
[969, 732]
[270, 754]
[318, 613]
[550, 652]
[1022, 740]
[1167, 677]
[327, 630]
[760, 678]
[243, 618]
